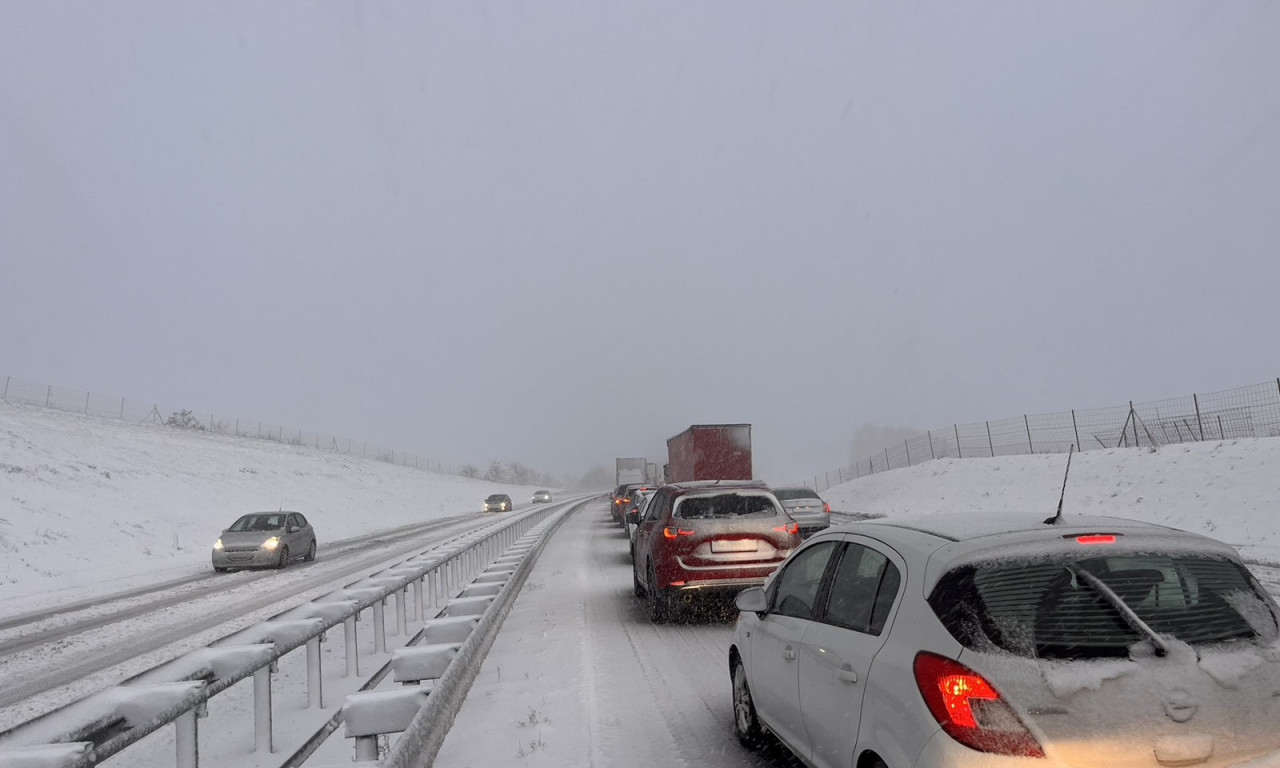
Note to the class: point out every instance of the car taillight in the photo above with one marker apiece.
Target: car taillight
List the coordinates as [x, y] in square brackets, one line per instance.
[826, 507]
[970, 710]
[670, 532]
[791, 527]
[1097, 538]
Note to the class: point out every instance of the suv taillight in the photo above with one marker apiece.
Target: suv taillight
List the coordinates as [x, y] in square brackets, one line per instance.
[970, 710]
[826, 507]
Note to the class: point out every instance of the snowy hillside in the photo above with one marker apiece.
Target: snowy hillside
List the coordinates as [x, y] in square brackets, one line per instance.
[1228, 490]
[92, 504]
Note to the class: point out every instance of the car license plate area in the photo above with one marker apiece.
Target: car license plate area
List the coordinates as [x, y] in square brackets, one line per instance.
[733, 545]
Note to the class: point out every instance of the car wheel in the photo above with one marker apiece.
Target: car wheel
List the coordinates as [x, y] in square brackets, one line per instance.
[311, 552]
[745, 722]
[216, 569]
[284, 556]
[636, 586]
[659, 607]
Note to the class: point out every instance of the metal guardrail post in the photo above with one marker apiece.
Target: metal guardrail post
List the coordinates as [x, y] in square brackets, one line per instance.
[187, 742]
[262, 710]
[379, 627]
[402, 620]
[352, 647]
[315, 680]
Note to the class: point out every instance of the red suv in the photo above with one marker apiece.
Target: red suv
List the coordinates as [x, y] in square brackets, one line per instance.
[708, 537]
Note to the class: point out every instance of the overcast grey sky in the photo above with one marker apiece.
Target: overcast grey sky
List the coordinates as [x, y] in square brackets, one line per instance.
[560, 232]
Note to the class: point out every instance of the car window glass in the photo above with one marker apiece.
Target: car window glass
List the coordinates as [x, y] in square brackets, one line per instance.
[724, 505]
[302, 521]
[796, 588]
[1048, 608]
[788, 494]
[654, 508]
[858, 579]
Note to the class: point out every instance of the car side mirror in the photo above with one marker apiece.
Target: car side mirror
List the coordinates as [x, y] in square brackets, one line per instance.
[752, 599]
[294, 528]
[633, 517]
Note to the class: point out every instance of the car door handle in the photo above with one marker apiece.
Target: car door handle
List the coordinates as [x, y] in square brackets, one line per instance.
[788, 654]
[847, 674]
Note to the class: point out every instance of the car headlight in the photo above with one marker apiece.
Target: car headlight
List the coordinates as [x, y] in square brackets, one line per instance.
[271, 543]
[217, 545]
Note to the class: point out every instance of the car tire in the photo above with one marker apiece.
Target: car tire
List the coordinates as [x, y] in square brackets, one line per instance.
[745, 723]
[636, 586]
[216, 569]
[311, 552]
[284, 556]
[659, 605]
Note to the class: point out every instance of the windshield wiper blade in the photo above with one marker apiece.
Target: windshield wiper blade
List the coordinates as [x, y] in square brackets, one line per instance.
[1131, 618]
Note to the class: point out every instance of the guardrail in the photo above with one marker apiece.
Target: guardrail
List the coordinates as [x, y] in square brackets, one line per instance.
[92, 730]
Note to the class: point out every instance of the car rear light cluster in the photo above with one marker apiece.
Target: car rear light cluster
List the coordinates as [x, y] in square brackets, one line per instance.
[970, 710]
[791, 527]
[670, 532]
[826, 507]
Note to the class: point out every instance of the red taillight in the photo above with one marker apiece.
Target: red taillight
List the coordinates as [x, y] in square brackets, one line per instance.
[970, 710]
[671, 533]
[1097, 538]
[826, 507]
[791, 527]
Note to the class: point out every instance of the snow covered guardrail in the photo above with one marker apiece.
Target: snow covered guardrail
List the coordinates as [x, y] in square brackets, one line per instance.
[93, 729]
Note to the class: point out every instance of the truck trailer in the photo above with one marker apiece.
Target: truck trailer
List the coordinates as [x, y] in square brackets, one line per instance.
[710, 452]
[631, 471]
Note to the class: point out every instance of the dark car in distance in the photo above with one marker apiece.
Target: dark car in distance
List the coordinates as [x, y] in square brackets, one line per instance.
[806, 507]
[498, 502]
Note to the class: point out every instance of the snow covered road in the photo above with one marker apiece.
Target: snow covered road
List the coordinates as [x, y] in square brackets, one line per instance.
[579, 676]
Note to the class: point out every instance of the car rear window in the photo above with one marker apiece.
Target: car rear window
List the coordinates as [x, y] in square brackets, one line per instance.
[724, 505]
[788, 494]
[1050, 609]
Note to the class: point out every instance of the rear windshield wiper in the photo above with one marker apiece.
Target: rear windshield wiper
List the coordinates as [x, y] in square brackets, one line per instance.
[1130, 617]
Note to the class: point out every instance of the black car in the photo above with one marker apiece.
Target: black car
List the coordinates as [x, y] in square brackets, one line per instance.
[498, 502]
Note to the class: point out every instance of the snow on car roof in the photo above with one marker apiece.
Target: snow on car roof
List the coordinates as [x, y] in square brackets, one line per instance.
[966, 526]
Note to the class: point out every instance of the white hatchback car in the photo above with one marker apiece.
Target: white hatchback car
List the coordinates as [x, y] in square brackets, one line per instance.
[1004, 641]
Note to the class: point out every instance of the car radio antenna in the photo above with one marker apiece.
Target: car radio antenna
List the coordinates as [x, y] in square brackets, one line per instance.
[1058, 517]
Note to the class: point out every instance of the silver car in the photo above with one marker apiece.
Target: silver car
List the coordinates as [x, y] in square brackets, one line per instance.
[806, 507]
[265, 539]
[974, 641]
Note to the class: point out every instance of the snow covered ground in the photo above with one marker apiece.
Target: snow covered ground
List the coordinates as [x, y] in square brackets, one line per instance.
[88, 504]
[92, 505]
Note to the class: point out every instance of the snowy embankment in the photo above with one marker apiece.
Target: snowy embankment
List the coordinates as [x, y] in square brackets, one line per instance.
[90, 505]
[1228, 490]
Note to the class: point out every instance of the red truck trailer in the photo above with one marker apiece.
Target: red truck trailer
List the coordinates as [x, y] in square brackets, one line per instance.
[710, 452]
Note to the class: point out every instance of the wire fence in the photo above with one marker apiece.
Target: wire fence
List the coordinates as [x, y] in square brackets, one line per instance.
[1252, 411]
[19, 392]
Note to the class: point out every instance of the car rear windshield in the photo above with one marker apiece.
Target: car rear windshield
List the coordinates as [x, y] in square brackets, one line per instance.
[1055, 609]
[787, 494]
[725, 505]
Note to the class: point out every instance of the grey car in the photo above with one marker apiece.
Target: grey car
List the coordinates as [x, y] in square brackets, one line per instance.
[265, 540]
[806, 507]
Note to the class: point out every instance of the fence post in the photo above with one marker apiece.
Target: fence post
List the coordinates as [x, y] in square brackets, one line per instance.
[1030, 446]
[86, 403]
[959, 450]
[6, 388]
[840, 474]
[122, 409]
[1221, 435]
[886, 459]
[48, 395]
[990, 445]
[1133, 417]
[1200, 424]
[931, 456]
[906, 444]
[871, 463]
[1076, 428]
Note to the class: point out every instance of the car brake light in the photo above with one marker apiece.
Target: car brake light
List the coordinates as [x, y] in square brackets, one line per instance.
[791, 527]
[671, 533]
[1097, 538]
[970, 710]
[826, 507]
